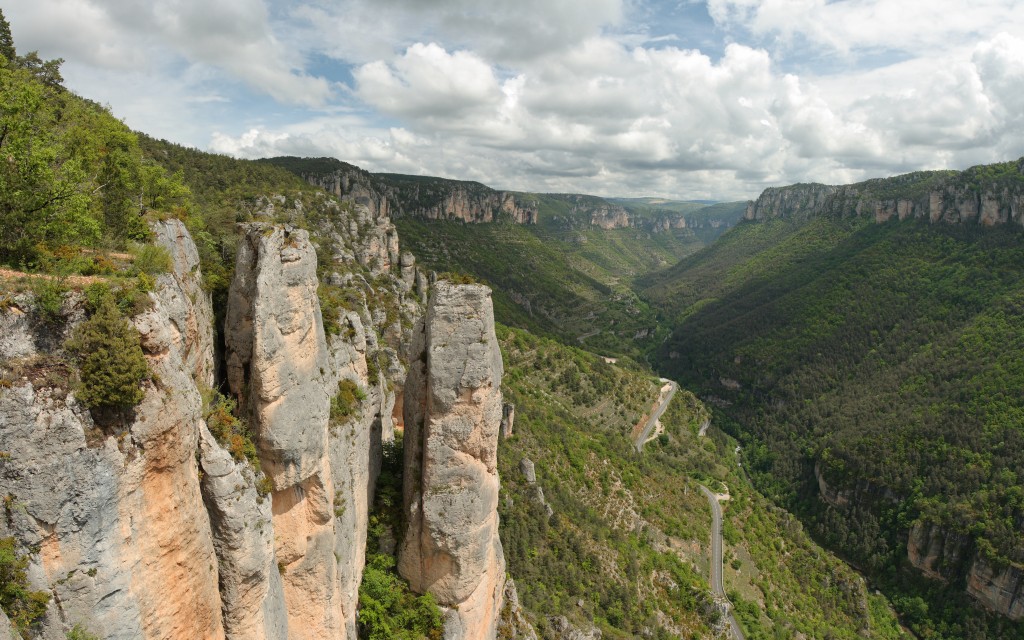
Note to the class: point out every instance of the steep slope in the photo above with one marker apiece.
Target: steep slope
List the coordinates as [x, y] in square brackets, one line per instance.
[988, 195]
[599, 537]
[863, 362]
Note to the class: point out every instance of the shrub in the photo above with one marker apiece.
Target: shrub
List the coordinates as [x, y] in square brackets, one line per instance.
[388, 610]
[49, 294]
[230, 430]
[22, 605]
[345, 405]
[112, 365]
[153, 260]
[78, 632]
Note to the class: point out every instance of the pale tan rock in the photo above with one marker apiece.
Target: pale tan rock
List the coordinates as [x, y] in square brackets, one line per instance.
[934, 551]
[304, 546]
[188, 307]
[453, 411]
[124, 541]
[277, 351]
[243, 535]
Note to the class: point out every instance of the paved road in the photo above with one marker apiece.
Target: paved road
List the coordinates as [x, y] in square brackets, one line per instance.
[655, 416]
[717, 584]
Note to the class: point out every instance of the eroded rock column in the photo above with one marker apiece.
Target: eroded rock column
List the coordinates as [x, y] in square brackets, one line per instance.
[453, 410]
[278, 368]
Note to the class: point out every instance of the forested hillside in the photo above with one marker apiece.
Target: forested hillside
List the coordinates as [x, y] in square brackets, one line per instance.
[617, 540]
[871, 372]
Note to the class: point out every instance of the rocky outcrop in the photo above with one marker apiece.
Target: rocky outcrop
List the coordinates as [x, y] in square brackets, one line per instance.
[798, 201]
[828, 493]
[187, 305]
[508, 420]
[937, 553]
[155, 529]
[529, 471]
[250, 583]
[284, 371]
[985, 195]
[415, 196]
[999, 589]
[944, 555]
[453, 410]
[512, 624]
[116, 512]
[277, 351]
[469, 202]
[604, 215]
[562, 629]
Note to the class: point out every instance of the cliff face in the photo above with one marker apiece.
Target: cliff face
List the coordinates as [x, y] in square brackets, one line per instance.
[453, 410]
[999, 589]
[947, 555]
[431, 198]
[153, 529]
[988, 195]
[125, 546]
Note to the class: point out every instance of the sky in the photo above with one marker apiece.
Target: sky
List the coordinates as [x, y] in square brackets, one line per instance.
[679, 99]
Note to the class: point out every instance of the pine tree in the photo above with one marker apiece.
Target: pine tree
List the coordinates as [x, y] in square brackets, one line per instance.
[111, 360]
[6, 39]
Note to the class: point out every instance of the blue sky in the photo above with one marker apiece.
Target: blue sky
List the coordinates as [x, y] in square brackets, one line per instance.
[683, 99]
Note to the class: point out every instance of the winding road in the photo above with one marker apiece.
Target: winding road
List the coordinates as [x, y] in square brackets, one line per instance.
[717, 583]
[666, 397]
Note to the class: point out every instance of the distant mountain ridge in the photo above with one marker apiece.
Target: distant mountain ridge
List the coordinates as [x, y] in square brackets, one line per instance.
[433, 198]
[987, 195]
[400, 195]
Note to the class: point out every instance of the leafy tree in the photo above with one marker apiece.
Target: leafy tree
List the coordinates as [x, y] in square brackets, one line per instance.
[112, 363]
[41, 200]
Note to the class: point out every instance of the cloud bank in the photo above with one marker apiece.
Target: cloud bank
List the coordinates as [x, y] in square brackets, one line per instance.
[564, 95]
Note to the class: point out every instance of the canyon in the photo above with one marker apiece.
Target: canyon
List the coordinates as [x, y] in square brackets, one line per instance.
[154, 528]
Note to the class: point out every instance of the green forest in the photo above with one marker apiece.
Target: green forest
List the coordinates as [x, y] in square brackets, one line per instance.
[889, 358]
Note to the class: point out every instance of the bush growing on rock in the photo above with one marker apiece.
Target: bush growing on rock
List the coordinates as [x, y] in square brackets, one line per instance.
[111, 361]
[22, 605]
[345, 405]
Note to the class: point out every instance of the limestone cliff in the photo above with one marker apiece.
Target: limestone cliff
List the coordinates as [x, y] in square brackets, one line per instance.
[163, 527]
[285, 369]
[116, 512]
[422, 197]
[947, 555]
[987, 195]
[453, 409]
[937, 553]
[1001, 589]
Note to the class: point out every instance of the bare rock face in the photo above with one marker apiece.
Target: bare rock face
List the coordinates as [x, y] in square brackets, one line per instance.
[453, 410]
[513, 624]
[934, 551]
[967, 197]
[188, 307]
[508, 420]
[116, 513]
[250, 584]
[279, 367]
[828, 493]
[354, 450]
[277, 350]
[999, 589]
